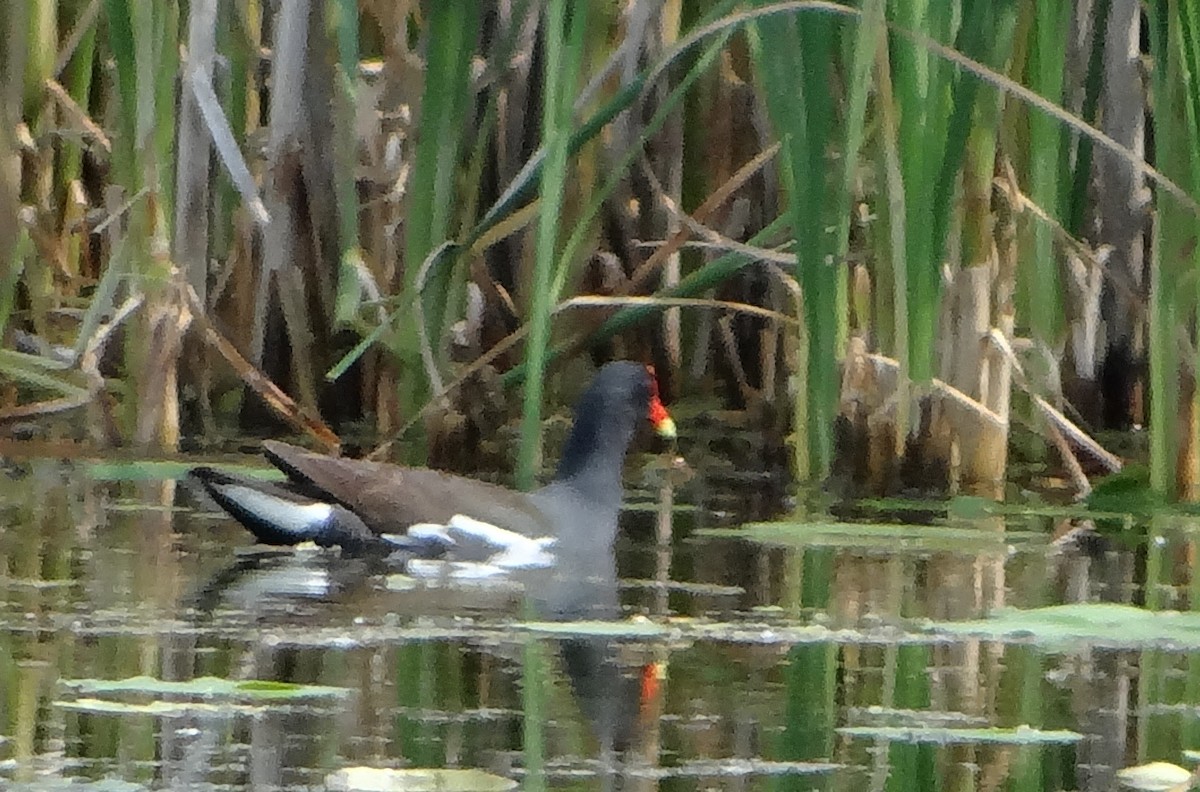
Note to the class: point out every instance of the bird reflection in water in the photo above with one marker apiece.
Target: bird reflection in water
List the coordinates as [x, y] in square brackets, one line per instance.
[284, 596]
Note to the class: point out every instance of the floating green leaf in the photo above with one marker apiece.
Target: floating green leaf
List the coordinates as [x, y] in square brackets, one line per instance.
[156, 470]
[1105, 624]
[888, 536]
[374, 779]
[1154, 776]
[602, 629]
[201, 688]
[1022, 735]
[74, 785]
[154, 708]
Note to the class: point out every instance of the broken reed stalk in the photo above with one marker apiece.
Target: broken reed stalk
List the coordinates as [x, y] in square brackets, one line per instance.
[1077, 440]
[513, 338]
[295, 414]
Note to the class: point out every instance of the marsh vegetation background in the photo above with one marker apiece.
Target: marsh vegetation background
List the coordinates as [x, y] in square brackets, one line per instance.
[889, 247]
[900, 235]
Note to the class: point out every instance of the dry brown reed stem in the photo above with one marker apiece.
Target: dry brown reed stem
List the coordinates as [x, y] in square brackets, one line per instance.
[82, 25]
[89, 127]
[997, 80]
[510, 340]
[701, 215]
[43, 408]
[1078, 438]
[105, 427]
[651, 265]
[733, 355]
[695, 227]
[89, 366]
[1074, 470]
[270, 393]
[167, 320]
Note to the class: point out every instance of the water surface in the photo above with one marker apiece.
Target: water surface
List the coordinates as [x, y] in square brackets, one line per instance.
[814, 658]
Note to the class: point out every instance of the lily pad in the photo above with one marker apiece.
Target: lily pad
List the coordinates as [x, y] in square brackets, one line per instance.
[153, 708]
[373, 779]
[683, 587]
[1104, 624]
[914, 718]
[597, 629]
[74, 785]
[1022, 735]
[157, 470]
[883, 536]
[734, 767]
[201, 688]
[1154, 776]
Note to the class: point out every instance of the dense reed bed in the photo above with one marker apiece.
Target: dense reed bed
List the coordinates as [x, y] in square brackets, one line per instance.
[894, 232]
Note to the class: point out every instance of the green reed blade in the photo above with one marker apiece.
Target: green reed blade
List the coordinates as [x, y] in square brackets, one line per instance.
[796, 56]
[445, 109]
[344, 18]
[564, 53]
[1174, 258]
[1044, 309]
[1080, 201]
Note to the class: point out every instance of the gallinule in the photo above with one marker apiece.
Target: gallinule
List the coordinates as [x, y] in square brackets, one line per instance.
[371, 508]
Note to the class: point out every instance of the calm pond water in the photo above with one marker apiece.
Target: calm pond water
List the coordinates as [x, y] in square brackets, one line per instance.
[802, 656]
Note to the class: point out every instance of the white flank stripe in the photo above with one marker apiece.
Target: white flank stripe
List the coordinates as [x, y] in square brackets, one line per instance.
[515, 551]
[290, 517]
[430, 531]
[485, 532]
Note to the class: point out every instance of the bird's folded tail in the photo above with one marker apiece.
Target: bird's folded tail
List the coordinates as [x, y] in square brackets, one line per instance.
[278, 514]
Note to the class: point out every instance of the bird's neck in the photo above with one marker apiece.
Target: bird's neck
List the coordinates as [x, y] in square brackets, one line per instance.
[593, 456]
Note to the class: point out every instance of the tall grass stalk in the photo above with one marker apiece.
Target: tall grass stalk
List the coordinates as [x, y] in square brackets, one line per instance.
[143, 39]
[1174, 259]
[891, 283]
[41, 120]
[15, 242]
[76, 76]
[921, 88]
[345, 23]
[1044, 307]
[446, 106]
[796, 55]
[565, 40]
[535, 677]
[1187, 36]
